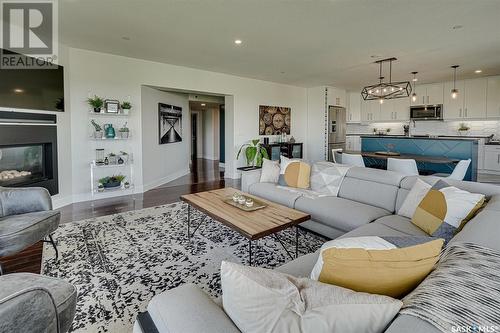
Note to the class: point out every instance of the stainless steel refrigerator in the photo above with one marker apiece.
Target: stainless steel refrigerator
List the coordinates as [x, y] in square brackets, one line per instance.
[336, 129]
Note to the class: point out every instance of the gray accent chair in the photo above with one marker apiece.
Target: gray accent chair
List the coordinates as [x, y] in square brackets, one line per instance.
[36, 303]
[26, 217]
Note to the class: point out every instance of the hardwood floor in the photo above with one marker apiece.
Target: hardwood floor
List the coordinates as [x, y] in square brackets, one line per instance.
[205, 176]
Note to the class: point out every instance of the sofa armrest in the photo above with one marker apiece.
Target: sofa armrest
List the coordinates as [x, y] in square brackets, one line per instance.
[187, 309]
[15, 201]
[248, 178]
[28, 310]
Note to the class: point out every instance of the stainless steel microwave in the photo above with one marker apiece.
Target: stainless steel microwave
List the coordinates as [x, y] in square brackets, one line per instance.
[426, 112]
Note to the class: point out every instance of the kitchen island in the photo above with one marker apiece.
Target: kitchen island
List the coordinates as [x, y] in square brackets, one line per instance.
[452, 148]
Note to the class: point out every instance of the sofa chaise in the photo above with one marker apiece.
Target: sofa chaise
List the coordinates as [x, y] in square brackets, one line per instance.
[366, 205]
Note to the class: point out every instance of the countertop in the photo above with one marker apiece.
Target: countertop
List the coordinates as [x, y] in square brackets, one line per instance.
[440, 137]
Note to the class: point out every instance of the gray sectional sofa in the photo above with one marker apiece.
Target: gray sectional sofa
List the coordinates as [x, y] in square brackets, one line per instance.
[366, 206]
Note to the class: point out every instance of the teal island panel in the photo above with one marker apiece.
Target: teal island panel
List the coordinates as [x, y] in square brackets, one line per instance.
[434, 147]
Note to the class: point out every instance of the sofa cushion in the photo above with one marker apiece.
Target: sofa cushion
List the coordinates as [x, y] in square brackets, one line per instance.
[339, 213]
[20, 231]
[400, 224]
[187, 309]
[373, 187]
[324, 230]
[406, 323]
[274, 193]
[63, 293]
[300, 267]
[482, 229]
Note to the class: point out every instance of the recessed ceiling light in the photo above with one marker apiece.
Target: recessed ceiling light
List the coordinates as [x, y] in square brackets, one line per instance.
[18, 91]
[477, 71]
[458, 26]
[203, 104]
[238, 41]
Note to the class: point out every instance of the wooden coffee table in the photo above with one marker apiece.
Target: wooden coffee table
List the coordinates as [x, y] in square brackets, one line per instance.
[254, 225]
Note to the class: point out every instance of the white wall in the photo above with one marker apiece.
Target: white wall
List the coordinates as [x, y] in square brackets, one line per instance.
[119, 77]
[211, 133]
[163, 163]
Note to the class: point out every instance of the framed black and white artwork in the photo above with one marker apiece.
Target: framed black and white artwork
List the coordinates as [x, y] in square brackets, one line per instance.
[169, 123]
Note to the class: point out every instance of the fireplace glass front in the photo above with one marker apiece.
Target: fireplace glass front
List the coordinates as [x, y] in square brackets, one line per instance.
[22, 165]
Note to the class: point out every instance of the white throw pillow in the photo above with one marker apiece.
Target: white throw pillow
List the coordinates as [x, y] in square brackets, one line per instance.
[414, 198]
[265, 301]
[270, 171]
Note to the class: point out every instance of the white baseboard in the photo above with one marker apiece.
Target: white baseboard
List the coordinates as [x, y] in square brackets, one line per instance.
[59, 202]
[164, 180]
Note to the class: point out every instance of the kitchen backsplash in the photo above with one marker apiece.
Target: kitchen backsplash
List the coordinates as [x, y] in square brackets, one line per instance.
[479, 128]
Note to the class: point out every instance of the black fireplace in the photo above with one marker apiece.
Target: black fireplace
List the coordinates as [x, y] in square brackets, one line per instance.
[28, 150]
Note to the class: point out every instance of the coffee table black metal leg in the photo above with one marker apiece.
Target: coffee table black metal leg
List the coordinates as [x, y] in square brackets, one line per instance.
[189, 221]
[296, 242]
[249, 252]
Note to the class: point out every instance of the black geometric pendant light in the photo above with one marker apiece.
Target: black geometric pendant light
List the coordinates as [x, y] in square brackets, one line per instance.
[386, 90]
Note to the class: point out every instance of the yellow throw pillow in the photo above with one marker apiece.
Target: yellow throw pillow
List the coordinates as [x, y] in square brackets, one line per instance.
[297, 174]
[445, 210]
[391, 266]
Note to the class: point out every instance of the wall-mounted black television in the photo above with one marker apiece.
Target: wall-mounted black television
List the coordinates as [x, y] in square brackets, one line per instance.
[34, 89]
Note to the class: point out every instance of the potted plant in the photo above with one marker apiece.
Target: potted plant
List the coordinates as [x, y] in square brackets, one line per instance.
[126, 185]
[112, 158]
[100, 187]
[463, 129]
[126, 106]
[112, 181]
[254, 153]
[124, 131]
[96, 103]
[97, 129]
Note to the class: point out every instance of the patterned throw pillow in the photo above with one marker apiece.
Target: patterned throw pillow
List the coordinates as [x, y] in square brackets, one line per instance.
[326, 177]
[284, 163]
[270, 171]
[297, 175]
[445, 210]
[391, 266]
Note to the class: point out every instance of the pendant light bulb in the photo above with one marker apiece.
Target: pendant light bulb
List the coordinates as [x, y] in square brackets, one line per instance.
[454, 91]
[381, 100]
[414, 95]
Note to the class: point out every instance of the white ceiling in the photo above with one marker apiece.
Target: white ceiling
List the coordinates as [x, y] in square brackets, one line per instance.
[298, 42]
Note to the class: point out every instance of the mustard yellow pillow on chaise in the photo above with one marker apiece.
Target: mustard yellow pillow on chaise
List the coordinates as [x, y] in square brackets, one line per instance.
[391, 266]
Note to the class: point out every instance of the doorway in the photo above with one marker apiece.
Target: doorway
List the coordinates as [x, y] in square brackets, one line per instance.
[194, 137]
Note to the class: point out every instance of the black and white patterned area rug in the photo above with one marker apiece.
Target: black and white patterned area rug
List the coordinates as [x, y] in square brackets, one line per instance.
[119, 262]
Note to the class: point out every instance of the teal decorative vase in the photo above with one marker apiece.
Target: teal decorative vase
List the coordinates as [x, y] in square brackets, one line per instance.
[109, 131]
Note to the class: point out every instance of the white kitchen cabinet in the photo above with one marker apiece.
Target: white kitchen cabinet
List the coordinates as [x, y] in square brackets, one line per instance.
[354, 108]
[395, 110]
[470, 102]
[493, 97]
[336, 97]
[454, 108]
[491, 158]
[429, 94]
[370, 111]
[475, 98]
[435, 93]
[353, 143]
